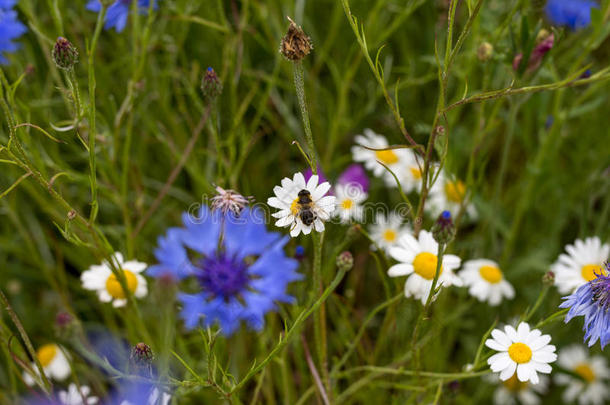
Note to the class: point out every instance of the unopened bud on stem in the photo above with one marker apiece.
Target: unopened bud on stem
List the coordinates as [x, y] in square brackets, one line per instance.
[65, 55]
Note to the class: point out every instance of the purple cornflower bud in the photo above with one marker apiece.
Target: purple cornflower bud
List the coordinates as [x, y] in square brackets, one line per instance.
[548, 278]
[443, 230]
[65, 55]
[141, 358]
[299, 252]
[543, 47]
[211, 87]
[229, 200]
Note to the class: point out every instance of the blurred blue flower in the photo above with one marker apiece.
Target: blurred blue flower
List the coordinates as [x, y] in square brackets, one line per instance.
[116, 16]
[10, 29]
[592, 300]
[575, 14]
[139, 393]
[6, 4]
[241, 268]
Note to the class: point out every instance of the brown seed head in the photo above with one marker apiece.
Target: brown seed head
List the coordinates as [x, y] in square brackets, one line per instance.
[295, 44]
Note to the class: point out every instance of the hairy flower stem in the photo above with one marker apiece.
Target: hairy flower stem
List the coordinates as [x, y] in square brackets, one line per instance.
[300, 89]
[425, 310]
[92, 132]
[320, 316]
[71, 75]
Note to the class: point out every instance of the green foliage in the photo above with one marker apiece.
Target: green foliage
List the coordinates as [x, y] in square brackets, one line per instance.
[108, 156]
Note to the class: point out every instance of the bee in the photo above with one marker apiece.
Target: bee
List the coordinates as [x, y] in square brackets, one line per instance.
[305, 207]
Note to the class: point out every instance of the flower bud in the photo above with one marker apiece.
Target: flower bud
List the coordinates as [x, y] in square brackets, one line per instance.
[345, 261]
[211, 86]
[65, 55]
[299, 252]
[443, 229]
[296, 44]
[548, 278]
[485, 51]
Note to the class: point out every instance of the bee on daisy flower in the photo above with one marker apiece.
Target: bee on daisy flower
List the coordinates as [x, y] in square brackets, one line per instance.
[303, 206]
[418, 260]
[486, 282]
[448, 193]
[513, 391]
[402, 161]
[591, 388]
[387, 229]
[53, 361]
[101, 279]
[522, 351]
[580, 263]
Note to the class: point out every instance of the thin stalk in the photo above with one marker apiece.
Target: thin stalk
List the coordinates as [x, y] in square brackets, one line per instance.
[299, 85]
[75, 95]
[92, 110]
[424, 312]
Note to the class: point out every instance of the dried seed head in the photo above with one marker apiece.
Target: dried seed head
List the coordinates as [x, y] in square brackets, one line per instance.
[229, 201]
[295, 44]
[65, 55]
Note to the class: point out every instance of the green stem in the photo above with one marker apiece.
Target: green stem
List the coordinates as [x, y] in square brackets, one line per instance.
[26, 340]
[301, 318]
[300, 89]
[424, 312]
[76, 96]
[92, 109]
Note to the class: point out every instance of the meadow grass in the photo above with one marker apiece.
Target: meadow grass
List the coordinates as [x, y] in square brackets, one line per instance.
[112, 168]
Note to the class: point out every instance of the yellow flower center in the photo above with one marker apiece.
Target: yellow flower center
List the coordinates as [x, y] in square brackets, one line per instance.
[416, 172]
[46, 354]
[425, 265]
[347, 204]
[114, 287]
[585, 372]
[514, 385]
[491, 274]
[588, 271]
[294, 207]
[386, 156]
[389, 235]
[520, 353]
[455, 191]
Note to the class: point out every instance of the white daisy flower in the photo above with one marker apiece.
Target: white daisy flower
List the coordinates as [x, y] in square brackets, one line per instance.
[486, 282]
[302, 206]
[418, 260]
[579, 265]
[513, 391]
[349, 197]
[592, 386]
[401, 161]
[387, 230]
[448, 194]
[100, 278]
[53, 361]
[77, 396]
[524, 351]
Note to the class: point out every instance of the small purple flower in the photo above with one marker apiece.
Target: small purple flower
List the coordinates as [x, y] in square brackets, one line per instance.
[10, 29]
[117, 13]
[241, 268]
[355, 174]
[592, 300]
[575, 14]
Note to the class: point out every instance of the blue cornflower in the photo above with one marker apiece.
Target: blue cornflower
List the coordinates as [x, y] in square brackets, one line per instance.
[116, 16]
[592, 300]
[241, 268]
[10, 29]
[575, 14]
